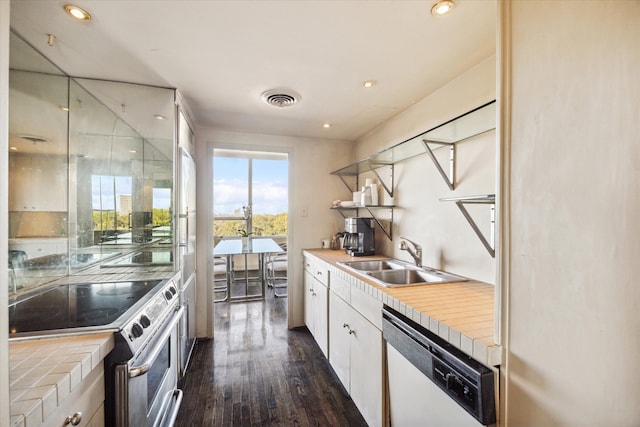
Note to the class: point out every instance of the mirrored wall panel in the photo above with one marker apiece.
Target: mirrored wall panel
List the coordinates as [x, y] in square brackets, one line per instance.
[90, 172]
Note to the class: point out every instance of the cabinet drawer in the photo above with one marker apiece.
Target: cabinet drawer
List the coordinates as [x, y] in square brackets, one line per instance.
[308, 263]
[322, 274]
[318, 269]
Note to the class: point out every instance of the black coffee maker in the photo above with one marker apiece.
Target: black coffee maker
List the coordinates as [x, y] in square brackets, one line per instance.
[359, 238]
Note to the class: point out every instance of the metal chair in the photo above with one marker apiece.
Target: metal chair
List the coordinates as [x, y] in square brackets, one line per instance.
[277, 275]
[220, 278]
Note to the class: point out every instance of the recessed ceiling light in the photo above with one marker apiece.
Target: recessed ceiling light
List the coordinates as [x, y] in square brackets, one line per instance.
[63, 107]
[326, 125]
[132, 151]
[369, 83]
[77, 13]
[159, 116]
[442, 7]
[13, 148]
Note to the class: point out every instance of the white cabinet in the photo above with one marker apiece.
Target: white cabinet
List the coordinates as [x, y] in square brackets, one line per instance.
[339, 326]
[86, 403]
[316, 280]
[37, 183]
[356, 350]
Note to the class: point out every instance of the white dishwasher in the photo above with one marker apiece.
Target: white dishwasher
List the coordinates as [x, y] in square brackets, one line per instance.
[432, 383]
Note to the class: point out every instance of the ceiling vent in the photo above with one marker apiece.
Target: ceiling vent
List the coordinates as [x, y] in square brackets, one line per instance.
[280, 97]
[33, 138]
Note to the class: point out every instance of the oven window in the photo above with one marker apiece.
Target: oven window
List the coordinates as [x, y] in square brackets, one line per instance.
[157, 372]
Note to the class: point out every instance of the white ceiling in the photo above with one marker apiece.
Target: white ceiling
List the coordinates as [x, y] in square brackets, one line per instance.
[221, 55]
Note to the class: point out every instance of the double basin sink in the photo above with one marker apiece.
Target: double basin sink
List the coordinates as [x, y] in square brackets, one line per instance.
[394, 273]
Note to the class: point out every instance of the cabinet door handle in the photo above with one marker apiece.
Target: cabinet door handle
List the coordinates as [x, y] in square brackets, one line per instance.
[74, 419]
[319, 273]
[351, 331]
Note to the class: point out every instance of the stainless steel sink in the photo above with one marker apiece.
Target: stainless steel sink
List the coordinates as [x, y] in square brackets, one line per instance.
[374, 265]
[394, 273]
[410, 276]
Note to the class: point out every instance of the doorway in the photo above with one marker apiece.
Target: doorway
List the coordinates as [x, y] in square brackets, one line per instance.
[250, 198]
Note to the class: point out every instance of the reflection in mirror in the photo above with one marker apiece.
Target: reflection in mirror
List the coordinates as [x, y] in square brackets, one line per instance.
[123, 177]
[90, 170]
[37, 175]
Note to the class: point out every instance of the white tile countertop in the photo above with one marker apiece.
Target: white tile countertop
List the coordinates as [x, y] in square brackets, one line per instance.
[43, 372]
[461, 313]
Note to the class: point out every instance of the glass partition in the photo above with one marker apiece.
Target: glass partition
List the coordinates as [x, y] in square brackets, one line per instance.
[90, 170]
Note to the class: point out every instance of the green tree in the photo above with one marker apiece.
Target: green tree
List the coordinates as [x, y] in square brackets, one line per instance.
[263, 225]
[161, 217]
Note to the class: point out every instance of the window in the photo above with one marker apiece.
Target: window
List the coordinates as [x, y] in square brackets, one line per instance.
[250, 192]
[111, 202]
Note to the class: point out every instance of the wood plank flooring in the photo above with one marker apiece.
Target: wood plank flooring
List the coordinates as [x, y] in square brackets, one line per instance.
[256, 372]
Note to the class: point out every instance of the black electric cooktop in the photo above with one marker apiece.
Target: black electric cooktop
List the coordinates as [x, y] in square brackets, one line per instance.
[76, 306]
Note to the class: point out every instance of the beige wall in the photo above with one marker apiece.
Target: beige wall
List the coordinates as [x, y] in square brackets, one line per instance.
[447, 240]
[571, 304]
[4, 211]
[311, 189]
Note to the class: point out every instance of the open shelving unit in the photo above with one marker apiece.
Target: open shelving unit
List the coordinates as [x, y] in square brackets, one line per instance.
[381, 164]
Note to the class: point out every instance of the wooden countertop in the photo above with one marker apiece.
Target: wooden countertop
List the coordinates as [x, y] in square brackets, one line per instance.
[43, 372]
[461, 313]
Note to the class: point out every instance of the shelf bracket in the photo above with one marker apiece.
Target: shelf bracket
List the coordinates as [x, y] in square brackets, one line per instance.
[451, 178]
[387, 232]
[346, 184]
[489, 246]
[374, 168]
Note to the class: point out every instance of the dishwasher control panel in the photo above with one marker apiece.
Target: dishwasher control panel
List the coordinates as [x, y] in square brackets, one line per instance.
[456, 385]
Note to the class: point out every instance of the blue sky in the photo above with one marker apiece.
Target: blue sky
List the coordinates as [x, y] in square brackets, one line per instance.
[230, 188]
[270, 185]
[102, 190]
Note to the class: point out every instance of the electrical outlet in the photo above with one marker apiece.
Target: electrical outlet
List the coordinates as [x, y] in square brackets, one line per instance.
[304, 212]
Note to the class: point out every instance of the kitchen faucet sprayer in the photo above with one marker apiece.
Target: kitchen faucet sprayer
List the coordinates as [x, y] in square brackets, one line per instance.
[416, 253]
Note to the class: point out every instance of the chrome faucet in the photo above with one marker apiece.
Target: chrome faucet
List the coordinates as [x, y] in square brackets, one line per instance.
[416, 253]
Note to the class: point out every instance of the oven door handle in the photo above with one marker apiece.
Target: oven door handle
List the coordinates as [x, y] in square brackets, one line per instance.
[142, 369]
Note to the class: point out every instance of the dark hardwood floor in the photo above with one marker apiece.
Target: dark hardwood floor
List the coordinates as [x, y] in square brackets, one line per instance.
[256, 372]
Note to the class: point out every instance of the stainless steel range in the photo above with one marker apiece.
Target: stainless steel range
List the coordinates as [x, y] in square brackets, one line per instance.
[141, 371]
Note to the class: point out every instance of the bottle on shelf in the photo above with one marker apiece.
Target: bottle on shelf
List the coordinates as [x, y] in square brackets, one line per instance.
[372, 189]
[365, 197]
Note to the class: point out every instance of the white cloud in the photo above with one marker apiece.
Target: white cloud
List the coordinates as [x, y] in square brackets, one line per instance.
[231, 195]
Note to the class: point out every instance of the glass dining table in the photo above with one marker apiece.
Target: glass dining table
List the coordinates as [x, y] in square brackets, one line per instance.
[259, 246]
